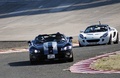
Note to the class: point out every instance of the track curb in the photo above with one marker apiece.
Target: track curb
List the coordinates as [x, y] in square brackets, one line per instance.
[84, 65]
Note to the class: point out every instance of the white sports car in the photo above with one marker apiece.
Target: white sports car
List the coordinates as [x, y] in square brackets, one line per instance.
[98, 34]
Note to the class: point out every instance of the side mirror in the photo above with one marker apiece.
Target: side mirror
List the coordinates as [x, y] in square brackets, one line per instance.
[70, 37]
[29, 42]
[81, 31]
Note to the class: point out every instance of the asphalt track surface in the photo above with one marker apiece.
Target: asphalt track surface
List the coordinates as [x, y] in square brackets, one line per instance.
[24, 19]
[17, 65]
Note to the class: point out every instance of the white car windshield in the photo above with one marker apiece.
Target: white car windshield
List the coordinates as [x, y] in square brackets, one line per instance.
[96, 28]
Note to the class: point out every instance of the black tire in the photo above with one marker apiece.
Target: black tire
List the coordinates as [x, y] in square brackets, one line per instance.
[110, 40]
[32, 62]
[80, 44]
[117, 40]
[71, 59]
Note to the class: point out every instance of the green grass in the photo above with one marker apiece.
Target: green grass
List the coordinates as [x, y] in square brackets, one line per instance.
[107, 63]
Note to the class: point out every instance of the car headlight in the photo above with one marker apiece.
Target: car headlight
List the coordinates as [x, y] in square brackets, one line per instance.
[36, 51]
[69, 47]
[66, 48]
[105, 35]
[81, 36]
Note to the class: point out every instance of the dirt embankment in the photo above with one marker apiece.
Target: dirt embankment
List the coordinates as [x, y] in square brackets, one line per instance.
[24, 20]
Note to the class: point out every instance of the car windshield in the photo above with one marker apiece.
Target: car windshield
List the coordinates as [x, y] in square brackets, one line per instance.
[96, 28]
[50, 37]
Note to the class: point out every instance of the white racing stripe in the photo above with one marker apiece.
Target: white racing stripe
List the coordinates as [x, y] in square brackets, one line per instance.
[55, 49]
[45, 47]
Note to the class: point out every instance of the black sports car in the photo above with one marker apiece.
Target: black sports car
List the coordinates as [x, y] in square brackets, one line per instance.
[51, 47]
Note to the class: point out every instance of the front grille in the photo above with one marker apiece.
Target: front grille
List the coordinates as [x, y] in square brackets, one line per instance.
[94, 40]
[60, 55]
[50, 49]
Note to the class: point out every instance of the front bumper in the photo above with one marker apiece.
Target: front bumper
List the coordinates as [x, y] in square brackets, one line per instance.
[94, 41]
[63, 55]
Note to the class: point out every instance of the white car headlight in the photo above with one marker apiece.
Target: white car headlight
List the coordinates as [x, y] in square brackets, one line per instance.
[66, 48]
[105, 35]
[69, 47]
[36, 51]
[81, 36]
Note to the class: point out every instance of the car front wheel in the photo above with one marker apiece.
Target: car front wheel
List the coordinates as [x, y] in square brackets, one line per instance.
[32, 62]
[110, 40]
[71, 59]
[80, 44]
[117, 39]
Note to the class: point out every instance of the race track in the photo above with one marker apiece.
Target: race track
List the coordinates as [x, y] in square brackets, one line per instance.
[17, 65]
[24, 19]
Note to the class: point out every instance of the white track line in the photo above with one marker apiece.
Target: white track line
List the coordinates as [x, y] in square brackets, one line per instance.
[13, 51]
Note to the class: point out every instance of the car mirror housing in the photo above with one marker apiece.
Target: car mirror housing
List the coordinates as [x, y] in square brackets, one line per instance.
[81, 31]
[29, 42]
[70, 37]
